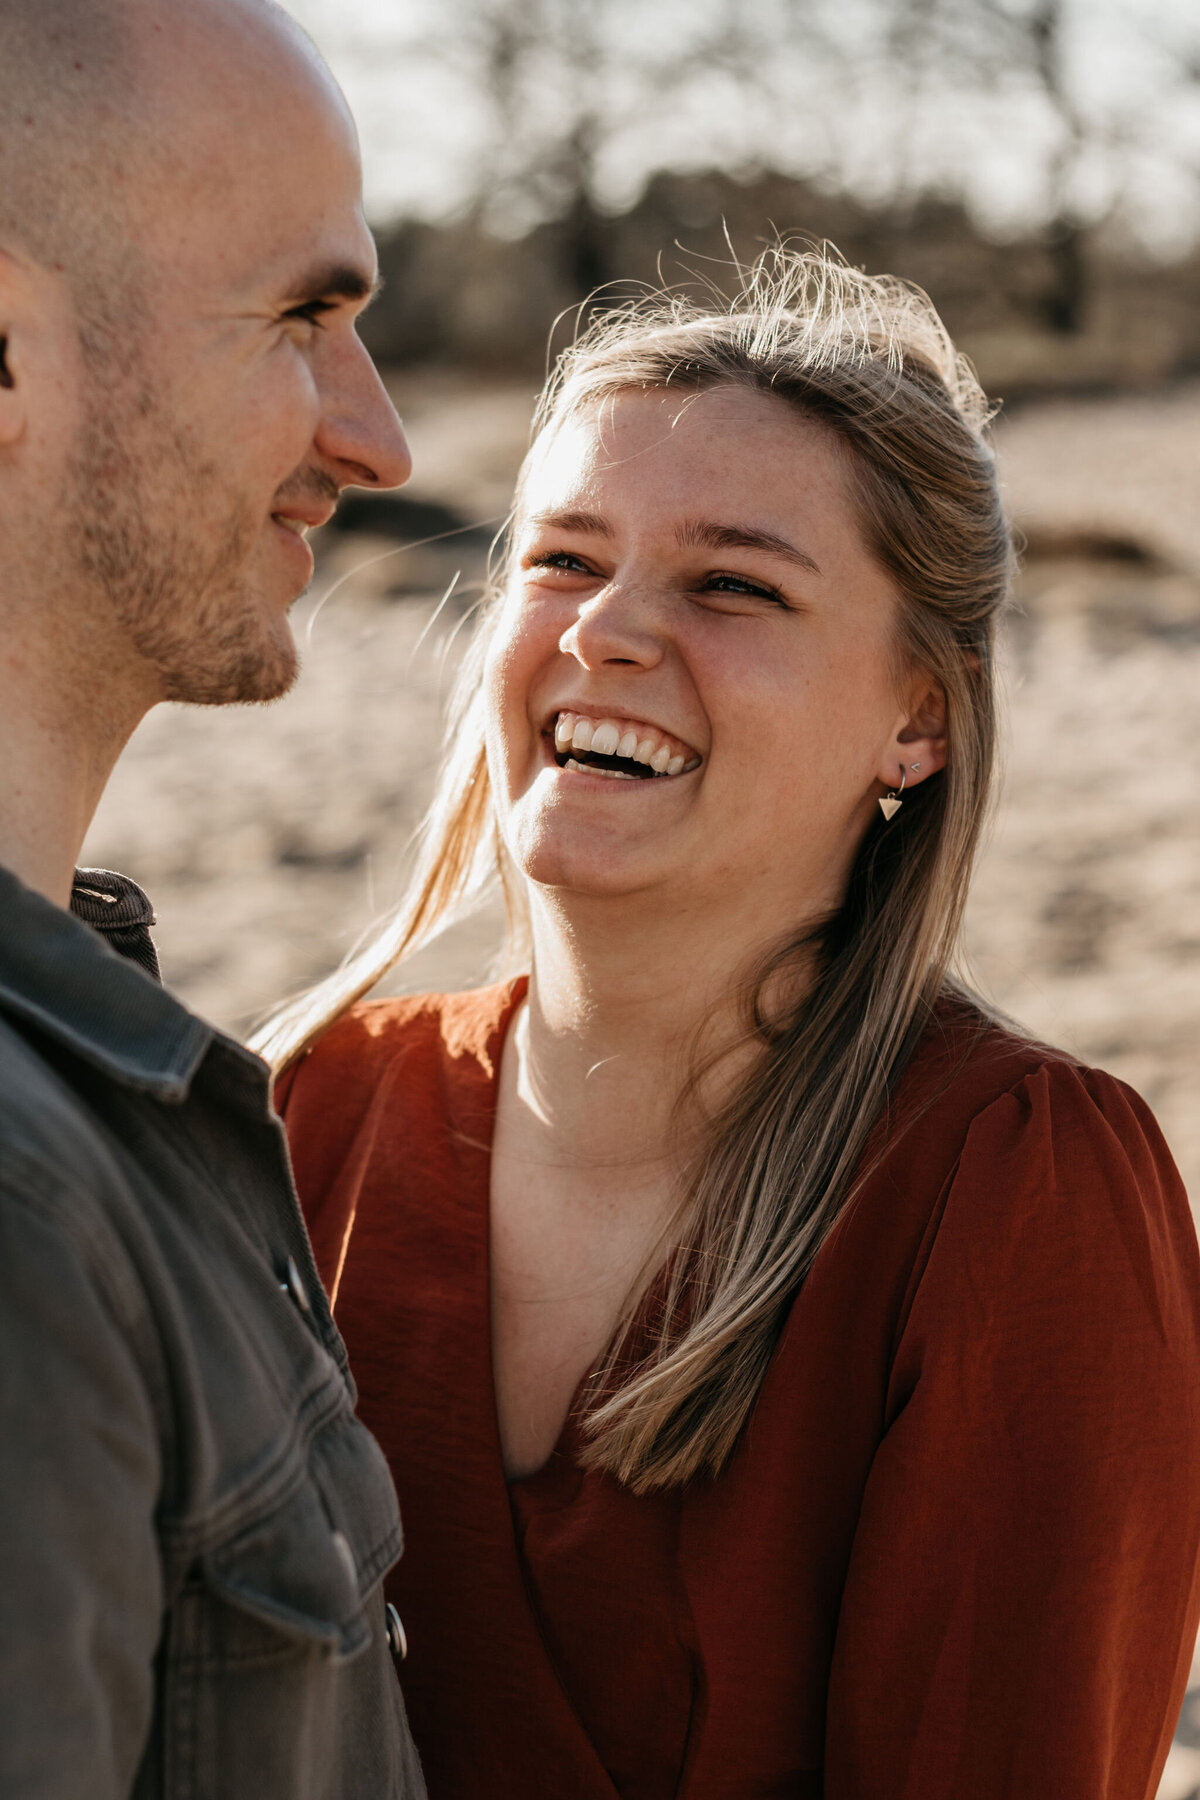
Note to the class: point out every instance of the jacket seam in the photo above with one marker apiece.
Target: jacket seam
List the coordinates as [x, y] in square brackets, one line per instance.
[262, 1490]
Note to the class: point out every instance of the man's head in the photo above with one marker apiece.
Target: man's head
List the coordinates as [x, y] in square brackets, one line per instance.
[182, 390]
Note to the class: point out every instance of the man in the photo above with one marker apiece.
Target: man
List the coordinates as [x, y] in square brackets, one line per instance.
[193, 1526]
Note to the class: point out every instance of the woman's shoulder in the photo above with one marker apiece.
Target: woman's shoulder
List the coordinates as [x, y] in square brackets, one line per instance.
[1010, 1184]
[375, 1040]
[1008, 1115]
[967, 1057]
[385, 1103]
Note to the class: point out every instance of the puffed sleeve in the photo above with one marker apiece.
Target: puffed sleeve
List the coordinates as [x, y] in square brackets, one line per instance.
[1022, 1595]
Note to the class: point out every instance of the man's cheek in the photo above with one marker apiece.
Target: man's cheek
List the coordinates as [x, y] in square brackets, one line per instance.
[280, 423]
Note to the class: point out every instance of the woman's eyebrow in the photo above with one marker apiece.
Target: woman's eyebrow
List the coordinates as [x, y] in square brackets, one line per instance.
[570, 520]
[702, 534]
[698, 534]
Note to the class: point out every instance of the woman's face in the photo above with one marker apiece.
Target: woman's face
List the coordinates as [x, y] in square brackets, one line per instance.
[692, 682]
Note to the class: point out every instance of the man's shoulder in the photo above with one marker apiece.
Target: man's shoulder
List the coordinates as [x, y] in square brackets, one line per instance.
[43, 1122]
[57, 1169]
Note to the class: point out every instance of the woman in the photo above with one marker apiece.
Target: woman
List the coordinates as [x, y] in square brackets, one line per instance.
[788, 1371]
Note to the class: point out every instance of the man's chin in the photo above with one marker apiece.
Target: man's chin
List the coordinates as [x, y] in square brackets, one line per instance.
[242, 669]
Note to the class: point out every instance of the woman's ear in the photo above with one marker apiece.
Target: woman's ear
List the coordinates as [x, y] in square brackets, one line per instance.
[919, 744]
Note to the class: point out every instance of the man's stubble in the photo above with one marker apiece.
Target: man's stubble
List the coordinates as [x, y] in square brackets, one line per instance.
[159, 539]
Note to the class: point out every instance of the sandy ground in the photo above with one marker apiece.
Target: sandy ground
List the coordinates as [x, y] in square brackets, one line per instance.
[272, 838]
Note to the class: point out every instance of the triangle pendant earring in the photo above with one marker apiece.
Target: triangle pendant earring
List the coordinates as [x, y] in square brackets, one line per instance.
[890, 804]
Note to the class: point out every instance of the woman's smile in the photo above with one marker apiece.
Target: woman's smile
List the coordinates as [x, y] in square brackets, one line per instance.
[620, 749]
[692, 612]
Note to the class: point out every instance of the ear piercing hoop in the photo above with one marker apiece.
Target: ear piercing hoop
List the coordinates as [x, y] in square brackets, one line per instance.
[890, 804]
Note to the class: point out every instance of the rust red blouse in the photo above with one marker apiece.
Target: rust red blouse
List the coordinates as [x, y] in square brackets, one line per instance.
[953, 1558]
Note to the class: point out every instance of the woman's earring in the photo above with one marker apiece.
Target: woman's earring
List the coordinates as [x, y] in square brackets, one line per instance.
[890, 804]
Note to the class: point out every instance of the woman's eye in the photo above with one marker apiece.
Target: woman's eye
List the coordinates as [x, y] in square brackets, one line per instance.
[558, 559]
[742, 585]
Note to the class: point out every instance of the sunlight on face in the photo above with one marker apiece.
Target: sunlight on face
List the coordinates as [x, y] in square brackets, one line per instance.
[689, 574]
[251, 401]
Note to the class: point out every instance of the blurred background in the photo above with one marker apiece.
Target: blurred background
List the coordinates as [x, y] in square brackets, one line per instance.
[1035, 165]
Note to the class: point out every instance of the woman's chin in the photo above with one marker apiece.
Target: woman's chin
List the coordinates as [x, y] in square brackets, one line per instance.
[586, 878]
[559, 847]
[589, 868]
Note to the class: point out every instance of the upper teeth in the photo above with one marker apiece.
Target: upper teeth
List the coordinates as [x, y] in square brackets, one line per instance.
[637, 743]
[297, 525]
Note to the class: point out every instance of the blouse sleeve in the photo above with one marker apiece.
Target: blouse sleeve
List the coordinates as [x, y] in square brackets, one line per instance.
[1022, 1597]
[320, 1099]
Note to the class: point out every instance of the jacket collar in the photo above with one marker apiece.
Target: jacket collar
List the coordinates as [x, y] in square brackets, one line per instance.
[117, 908]
[60, 976]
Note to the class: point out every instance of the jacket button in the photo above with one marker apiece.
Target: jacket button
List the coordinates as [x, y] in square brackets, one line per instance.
[292, 1282]
[397, 1641]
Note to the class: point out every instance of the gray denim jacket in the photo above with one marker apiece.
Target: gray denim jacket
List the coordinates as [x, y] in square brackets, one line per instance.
[193, 1524]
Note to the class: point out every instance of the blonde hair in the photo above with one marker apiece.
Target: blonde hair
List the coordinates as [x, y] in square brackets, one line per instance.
[870, 358]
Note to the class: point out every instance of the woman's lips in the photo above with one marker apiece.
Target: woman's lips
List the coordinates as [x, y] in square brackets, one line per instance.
[620, 748]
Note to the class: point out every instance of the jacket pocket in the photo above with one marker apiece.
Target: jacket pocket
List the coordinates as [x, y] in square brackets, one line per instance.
[294, 1573]
[276, 1670]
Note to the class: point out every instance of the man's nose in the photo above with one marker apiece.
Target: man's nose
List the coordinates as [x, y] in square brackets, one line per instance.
[359, 429]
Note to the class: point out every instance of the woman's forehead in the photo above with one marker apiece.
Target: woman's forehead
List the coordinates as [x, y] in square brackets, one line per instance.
[675, 447]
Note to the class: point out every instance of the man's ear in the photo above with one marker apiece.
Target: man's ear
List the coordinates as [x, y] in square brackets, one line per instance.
[12, 396]
[16, 302]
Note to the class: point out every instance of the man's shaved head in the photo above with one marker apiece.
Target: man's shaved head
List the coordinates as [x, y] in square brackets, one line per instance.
[90, 124]
[183, 258]
[69, 104]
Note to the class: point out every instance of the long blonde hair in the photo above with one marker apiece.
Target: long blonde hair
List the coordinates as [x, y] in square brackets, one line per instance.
[869, 358]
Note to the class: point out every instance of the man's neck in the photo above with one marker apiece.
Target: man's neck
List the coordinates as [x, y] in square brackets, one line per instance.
[58, 744]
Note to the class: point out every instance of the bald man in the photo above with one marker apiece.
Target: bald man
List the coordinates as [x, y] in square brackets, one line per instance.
[193, 1525]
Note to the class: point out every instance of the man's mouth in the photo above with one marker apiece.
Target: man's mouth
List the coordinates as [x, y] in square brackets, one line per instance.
[302, 513]
[623, 749]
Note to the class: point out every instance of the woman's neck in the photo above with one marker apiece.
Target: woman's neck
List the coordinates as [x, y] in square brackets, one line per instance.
[585, 1158]
[591, 1141]
[615, 1024]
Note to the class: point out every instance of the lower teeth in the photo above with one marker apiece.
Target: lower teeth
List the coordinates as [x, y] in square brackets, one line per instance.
[644, 771]
[607, 774]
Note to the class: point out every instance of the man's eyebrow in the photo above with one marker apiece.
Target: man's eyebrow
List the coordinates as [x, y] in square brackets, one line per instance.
[334, 281]
[702, 534]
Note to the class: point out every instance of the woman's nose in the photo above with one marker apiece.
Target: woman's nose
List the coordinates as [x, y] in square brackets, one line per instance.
[616, 626]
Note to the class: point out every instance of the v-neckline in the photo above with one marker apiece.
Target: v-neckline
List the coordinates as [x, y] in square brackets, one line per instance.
[473, 1120]
[560, 1455]
[548, 1476]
